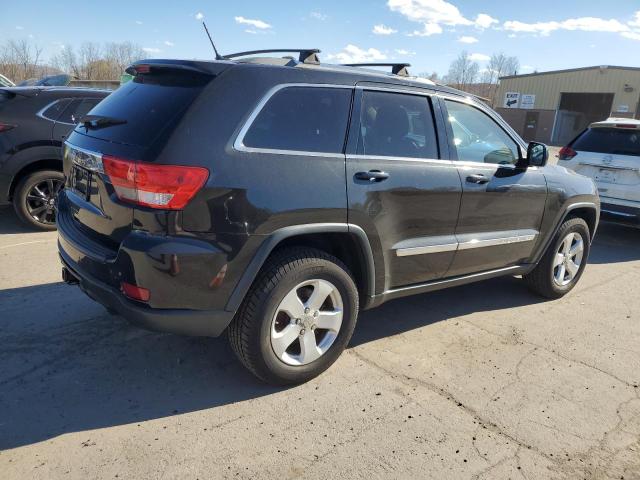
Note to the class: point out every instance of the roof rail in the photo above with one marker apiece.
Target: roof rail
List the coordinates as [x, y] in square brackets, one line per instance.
[397, 68]
[307, 55]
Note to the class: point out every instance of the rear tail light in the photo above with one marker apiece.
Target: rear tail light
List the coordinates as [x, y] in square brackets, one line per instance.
[135, 292]
[167, 187]
[567, 153]
[5, 127]
[626, 125]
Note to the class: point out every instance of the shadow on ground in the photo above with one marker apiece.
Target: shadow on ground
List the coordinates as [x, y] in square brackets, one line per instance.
[67, 366]
[9, 222]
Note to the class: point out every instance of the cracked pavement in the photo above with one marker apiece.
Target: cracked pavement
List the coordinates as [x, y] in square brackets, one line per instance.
[484, 381]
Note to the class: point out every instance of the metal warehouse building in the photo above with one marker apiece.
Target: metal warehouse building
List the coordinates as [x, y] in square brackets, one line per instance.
[553, 107]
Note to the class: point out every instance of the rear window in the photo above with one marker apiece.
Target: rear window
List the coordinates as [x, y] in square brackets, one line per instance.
[613, 141]
[149, 103]
[309, 119]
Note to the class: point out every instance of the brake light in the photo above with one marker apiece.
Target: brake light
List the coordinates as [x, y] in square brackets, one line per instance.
[135, 292]
[567, 153]
[626, 125]
[5, 127]
[168, 187]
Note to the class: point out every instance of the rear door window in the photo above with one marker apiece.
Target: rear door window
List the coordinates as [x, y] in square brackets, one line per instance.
[613, 141]
[54, 110]
[77, 109]
[397, 125]
[305, 119]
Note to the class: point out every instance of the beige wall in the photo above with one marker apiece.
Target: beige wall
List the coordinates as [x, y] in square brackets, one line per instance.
[548, 87]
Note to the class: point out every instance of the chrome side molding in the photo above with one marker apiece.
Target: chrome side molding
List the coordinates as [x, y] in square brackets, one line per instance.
[465, 242]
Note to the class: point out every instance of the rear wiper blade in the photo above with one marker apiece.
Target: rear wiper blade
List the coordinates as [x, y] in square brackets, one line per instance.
[94, 122]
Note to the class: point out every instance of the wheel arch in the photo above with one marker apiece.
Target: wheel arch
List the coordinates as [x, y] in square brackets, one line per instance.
[588, 211]
[347, 242]
[32, 167]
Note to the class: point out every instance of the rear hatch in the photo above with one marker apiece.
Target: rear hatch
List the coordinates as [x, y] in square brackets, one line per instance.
[611, 156]
[109, 158]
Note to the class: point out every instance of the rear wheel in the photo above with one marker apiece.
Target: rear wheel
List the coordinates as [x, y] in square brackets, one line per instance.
[35, 198]
[564, 261]
[297, 317]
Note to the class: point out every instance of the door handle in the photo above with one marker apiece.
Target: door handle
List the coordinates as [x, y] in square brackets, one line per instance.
[372, 176]
[478, 178]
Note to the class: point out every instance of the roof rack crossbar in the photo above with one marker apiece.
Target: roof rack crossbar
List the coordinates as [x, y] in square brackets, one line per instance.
[396, 68]
[307, 55]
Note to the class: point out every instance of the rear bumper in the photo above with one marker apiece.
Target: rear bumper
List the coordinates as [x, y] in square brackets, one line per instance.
[626, 214]
[186, 277]
[209, 323]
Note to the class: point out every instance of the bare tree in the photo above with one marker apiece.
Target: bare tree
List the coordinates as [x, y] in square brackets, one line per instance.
[121, 55]
[19, 59]
[499, 66]
[463, 71]
[94, 62]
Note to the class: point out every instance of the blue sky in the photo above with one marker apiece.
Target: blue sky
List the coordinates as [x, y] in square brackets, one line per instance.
[546, 35]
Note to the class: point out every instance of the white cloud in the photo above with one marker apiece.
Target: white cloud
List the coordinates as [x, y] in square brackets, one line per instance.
[428, 30]
[381, 29]
[467, 39]
[318, 16]
[254, 23]
[168, 43]
[138, 22]
[402, 51]
[353, 54]
[631, 35]
[586, 24]
[199, 16]
[151, 50]
[485, 21]
[479, 57]
[19, 27]
[635, 23]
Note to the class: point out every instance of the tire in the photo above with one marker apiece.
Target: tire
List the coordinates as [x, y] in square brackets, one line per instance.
[25, 203]
[264, 323]
[544, 279]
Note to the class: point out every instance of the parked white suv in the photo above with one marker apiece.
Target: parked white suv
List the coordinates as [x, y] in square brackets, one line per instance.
[609, 153]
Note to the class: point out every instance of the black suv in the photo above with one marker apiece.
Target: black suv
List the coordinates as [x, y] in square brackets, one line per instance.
[275, 198]
[34, 122]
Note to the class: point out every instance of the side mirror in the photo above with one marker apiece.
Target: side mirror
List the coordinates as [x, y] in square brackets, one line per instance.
[537, 154]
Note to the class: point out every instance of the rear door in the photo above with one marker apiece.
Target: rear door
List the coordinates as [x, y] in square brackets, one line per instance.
[611, 156]
[400, 190]
[502, 203]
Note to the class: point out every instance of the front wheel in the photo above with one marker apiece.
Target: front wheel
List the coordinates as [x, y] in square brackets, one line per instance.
[564, 261]
[297, 317]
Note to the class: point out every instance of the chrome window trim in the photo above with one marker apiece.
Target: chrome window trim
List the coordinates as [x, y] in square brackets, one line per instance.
[239, 145]
[525, 236]
[392, 158]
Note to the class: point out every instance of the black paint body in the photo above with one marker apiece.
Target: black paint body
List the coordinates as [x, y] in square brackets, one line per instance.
[254, 202]
[36, 141]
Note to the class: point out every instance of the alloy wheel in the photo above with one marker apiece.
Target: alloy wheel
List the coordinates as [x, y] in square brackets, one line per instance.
[41, 201]
[568, 259]
[307, 322]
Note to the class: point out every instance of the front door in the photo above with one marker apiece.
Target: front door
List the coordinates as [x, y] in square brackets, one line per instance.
[502, 203]
[400, 190]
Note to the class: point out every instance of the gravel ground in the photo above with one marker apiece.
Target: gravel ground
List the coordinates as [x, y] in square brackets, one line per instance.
[480, 381]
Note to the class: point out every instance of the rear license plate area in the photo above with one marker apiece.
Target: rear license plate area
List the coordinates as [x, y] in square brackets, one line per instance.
[606, 176]
[80, 181]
